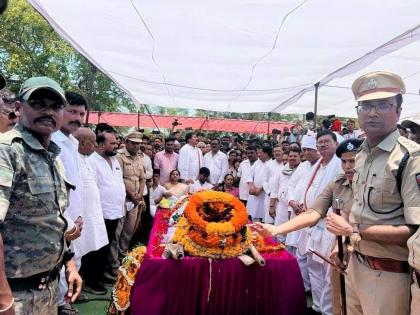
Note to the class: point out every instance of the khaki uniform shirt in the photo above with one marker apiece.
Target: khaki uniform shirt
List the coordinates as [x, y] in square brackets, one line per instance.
[376, 197]
[133, 172]
[339, 188]
[33, 195]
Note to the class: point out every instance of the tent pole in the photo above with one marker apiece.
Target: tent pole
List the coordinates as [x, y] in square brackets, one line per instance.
[268, 125]
[138, 119]
[316, 103]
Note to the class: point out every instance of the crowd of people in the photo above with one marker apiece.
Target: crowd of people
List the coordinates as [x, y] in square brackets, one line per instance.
[74, 200]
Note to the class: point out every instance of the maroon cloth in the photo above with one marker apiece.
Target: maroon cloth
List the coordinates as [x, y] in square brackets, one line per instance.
[167, 286]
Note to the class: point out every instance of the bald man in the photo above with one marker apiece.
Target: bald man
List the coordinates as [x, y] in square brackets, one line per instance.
[94, 231]
[87, 141]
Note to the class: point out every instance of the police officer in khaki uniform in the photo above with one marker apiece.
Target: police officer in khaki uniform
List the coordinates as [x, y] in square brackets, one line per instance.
[134, 181]
[385, 210]
[33, 194]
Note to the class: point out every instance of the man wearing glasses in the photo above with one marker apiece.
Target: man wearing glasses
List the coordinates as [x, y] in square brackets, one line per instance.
[33, 196]
[386, 207]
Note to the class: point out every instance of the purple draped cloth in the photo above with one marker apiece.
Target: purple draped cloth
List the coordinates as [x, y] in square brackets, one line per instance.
[199, 286]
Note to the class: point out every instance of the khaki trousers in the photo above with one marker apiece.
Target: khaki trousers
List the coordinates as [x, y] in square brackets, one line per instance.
[373, 292]
[125, 230]
[335, 292]
[37, 302]
[415, 299]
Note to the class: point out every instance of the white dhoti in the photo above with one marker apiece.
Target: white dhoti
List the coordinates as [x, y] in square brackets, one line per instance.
[256, 206]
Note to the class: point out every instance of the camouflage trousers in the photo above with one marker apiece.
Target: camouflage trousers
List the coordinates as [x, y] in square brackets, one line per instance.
[37, 302]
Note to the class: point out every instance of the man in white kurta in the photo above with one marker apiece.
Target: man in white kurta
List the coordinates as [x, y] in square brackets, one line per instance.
[94, 236]
[244, 171]
[258, 185]
[217, 162]
[278, 197]
[321, 240]
[296, 186]
[190, 159]
[72, 119]
[274, 169]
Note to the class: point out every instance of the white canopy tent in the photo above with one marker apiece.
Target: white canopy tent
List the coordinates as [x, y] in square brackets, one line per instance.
[242, 55]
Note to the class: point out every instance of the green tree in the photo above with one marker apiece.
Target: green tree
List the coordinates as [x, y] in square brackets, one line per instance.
[30, 47]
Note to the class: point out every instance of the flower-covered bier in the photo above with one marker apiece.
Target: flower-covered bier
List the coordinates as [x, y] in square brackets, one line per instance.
[214, 226]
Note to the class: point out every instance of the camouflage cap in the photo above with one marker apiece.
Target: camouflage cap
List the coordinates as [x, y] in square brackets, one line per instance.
[2, 81]
[37, 83]
[134, 136]
[377, 85]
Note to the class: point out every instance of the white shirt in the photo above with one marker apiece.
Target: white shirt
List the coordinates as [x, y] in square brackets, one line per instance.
[189, 162]
[244, 171]
[156, 193]
[69, 156]
[148, 169]
[274, 171]
[353, 135]
[197, 186]
[259, 175]
[218, 165]
[111, 185]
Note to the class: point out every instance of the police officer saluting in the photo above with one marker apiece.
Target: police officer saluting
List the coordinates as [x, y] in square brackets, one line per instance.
[33, 194]
[386, 207]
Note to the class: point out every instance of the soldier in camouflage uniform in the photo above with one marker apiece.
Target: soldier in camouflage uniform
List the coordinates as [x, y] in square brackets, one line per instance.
[33, 194]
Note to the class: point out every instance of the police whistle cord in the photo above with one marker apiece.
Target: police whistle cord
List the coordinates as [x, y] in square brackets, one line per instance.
[338, 204]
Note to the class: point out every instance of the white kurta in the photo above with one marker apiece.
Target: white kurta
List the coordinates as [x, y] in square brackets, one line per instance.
[297, 185]
[111, 186]
[94, 235]
[148, 169]
[69, 155]
[282, 207]
[321, 239]
[244, 171]
[259, 176]
[197, 186]
[190, 161]
[218, 165]
[274, 170]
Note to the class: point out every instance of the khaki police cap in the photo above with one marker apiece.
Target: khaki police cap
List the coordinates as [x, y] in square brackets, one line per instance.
[408, 122]
[377, 85]
[134, 136]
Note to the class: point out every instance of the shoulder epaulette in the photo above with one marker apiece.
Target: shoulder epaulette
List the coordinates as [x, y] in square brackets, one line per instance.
[412, 147]
[9, 136]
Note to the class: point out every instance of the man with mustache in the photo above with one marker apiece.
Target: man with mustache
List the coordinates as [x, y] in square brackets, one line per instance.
[33, 197]
[386, 207]
[109, 177]
[73, 115]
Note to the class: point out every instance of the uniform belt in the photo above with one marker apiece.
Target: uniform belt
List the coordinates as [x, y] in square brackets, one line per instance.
[36, 282]
[384, 264]
[416, 277]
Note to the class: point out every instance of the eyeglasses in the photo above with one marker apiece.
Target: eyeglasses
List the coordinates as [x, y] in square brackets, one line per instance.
[324, 142]
[381, 108]
[40, 104]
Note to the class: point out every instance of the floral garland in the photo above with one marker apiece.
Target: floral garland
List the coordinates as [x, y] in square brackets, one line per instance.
[216, 213]
[182, 236]
[127, 273]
